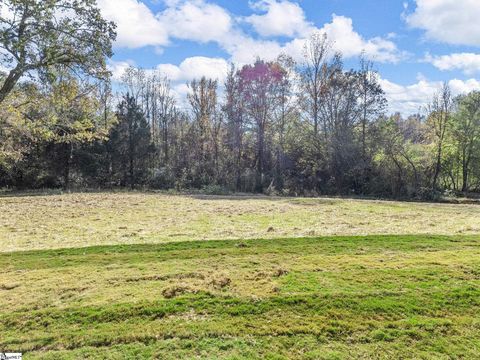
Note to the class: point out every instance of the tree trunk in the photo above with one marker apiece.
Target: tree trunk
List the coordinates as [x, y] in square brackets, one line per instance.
[464, 171]
[259, 179]
[165, 143]
[315, 119]
[238, 162]
[437, 167]
[9, 83]
[131, 155]
[414, 168]
[66, 170]
[399, 177]
[130, 172]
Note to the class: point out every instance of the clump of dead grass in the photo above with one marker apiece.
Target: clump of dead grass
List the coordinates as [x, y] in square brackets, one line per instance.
[8, 287]
[177, 290]
[221, 282]
[279, 272]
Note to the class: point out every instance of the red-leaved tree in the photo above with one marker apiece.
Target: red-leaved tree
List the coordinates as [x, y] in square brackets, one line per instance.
[260, 86]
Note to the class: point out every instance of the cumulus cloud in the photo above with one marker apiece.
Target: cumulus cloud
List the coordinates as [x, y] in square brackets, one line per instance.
[463, 87]
[137, 26]
[469, 63]
[191, 68]
[286, 18]
[350, 43]
[195, 67]
[244, 49]
[196, 20]
[117, 68]
[340, 32]
[346, 40]
[411, 99]
[202, 21]
[449, 21]
[280, 18]
[5, 12]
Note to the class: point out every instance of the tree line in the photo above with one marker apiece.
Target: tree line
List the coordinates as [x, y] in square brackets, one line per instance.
[277, 127]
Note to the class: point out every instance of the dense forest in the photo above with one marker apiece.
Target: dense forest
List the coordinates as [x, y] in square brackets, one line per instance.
[275, 127]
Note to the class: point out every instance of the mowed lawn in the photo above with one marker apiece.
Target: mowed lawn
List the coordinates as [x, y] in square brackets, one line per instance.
[79, 220]
[282, 294]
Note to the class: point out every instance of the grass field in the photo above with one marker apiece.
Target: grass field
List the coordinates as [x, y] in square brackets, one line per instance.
[291, 291]
[79, 220]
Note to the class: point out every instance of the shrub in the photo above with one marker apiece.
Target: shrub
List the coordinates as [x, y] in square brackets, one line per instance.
[215, 190]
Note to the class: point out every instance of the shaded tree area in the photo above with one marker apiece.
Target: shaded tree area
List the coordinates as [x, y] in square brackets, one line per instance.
[129, 147]
[276, 127]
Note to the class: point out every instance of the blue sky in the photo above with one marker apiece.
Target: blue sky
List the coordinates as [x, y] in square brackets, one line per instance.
[415, 44]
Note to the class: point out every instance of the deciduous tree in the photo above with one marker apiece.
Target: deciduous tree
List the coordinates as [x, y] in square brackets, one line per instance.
[38, 35]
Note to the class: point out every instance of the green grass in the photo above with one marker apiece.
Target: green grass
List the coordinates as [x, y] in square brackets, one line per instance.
[339, 297]
[80, 220]
[134, 275]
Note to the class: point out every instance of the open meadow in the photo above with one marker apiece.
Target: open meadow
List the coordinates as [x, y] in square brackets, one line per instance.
[133, 276]
[82, 219]
[151, 157]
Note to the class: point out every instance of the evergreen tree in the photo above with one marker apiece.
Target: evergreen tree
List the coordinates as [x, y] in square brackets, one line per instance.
[130, 147]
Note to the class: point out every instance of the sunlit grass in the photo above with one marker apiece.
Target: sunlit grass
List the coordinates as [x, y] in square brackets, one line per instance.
[78, 220]
[181, 277]
[377, 297]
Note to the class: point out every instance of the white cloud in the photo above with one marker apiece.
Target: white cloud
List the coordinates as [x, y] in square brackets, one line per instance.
[295, 48]
[340, 32]
[281, 18]
[180, 92]
[462, 87]
[449, 21]
[4, 69]
[469, 63]
[171, 71]
[189, 69]
[201, 21]
[136, 24]
[346, 40]
[350, 43]
[288, 19]
[194, 68]
[6, 12]
[117, 68]
[411, 99]
[195, 20]
[244, 49]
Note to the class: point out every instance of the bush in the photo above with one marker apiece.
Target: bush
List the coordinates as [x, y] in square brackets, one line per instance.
[429, 194]
[162, 178]
[215, 190]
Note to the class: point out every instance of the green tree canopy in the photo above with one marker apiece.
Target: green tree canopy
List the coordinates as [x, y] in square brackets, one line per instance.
[38, 35]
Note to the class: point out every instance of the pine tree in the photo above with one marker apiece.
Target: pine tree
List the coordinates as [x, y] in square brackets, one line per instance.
[130, 145]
